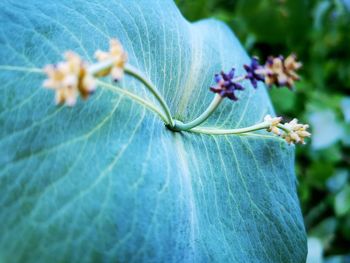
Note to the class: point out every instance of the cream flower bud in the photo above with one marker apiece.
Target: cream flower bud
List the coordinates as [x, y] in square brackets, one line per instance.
[273, 122]
[116, 54]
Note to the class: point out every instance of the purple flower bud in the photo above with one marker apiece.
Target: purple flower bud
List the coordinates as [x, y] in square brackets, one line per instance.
[226, 86]
[251, 72]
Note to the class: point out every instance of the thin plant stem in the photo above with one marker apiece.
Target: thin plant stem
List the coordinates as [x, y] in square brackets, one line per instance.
[180, 126]
[135, 98]
[130, 70]
[215, 131]
[239, 79]
[95, 69]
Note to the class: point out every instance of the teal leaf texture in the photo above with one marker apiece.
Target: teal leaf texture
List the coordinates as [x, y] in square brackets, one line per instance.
[105, 181]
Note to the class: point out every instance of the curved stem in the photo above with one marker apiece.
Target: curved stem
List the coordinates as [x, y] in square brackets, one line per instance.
[134, 97]
[132, 71]
[151, 87]
[215, 131]
[180, 126]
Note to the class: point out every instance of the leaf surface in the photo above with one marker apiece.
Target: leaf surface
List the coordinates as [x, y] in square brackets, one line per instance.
[105, 181]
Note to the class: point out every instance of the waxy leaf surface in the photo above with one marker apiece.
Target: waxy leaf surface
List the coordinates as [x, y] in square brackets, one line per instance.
[105, 181]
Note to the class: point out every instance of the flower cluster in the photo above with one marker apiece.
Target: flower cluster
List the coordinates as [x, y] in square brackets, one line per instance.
[297, 132]
[226, 85]
[74, 77]
[69, 78]
[276, 71]
[281, 72]
[293, 132]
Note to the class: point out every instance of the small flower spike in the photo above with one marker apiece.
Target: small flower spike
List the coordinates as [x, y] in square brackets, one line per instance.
[226, 86]
[69, 78]
[116, 54]
[280, 72]
[252, 72]
[273, 122]
[297, 132]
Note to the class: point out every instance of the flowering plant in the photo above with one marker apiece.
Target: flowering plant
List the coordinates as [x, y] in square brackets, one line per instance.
[74, 77]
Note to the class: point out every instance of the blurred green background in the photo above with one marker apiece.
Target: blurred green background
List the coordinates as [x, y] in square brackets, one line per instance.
[319, 33]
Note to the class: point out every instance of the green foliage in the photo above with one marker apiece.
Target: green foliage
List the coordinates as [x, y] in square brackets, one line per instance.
[318, 31]
[105, 181]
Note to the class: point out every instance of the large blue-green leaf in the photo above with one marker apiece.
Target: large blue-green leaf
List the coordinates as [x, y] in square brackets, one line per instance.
[105, 181]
